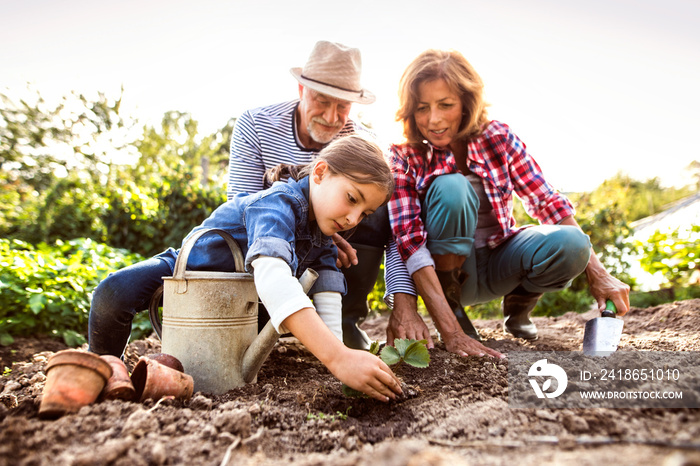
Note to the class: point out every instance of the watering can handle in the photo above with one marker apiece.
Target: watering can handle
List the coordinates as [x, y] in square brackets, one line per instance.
[181, 266]
[153, 312]
[181, 262]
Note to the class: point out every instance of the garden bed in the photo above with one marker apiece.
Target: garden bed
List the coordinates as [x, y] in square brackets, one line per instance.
[454, 412]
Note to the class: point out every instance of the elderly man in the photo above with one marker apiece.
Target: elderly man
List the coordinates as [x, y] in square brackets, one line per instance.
[294, 132]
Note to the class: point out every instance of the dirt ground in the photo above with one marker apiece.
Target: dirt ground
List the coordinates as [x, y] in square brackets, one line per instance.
[455, 411]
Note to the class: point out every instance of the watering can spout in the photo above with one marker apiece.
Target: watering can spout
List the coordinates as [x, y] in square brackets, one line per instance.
[260, 349]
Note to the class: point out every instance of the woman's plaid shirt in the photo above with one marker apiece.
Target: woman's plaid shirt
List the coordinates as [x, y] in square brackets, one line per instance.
[499, 158]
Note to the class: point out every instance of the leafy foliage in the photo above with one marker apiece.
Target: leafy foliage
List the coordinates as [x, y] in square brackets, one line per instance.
[637, 199]
[40, 141]
[177, 147]
[328, 417]
[79, 169]
[45, 289]
[676, 254]
[148, 219]
[412, 352]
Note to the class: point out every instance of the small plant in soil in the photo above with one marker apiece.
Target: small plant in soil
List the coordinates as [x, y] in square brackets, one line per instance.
[412, 352]
[328, 417]
[408, 351]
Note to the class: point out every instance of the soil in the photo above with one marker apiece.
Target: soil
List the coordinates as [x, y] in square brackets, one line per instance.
[455, 411]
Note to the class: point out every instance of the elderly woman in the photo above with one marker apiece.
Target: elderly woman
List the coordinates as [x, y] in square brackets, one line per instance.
[452, 213]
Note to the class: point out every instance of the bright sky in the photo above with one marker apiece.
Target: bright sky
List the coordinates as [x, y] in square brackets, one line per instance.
[592, 87]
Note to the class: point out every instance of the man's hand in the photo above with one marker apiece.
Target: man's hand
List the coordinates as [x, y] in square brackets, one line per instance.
[405, 322]
[347, 255]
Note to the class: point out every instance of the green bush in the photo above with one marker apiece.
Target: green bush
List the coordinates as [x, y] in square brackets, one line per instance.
[676, 254]
[142, 219]
[664, 295]
[46, 289]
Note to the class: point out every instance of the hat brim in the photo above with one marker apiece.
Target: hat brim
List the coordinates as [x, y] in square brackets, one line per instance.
[363, 97]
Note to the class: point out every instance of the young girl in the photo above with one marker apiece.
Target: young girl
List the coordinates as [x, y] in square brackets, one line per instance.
[281, 231]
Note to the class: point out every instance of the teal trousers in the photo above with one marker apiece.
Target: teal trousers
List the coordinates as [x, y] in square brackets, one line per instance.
[540, 259]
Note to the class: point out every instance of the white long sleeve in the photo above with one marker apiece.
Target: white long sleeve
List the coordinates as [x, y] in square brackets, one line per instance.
[279, 291]
[329, 305]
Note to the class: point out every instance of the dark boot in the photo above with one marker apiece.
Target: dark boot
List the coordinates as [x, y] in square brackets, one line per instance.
[360, 279]
[451, 282]
[517, 305]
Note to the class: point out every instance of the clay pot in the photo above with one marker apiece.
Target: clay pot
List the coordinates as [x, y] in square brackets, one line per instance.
[73, 379]
[119, 385]
[154, 380]
[168, 360]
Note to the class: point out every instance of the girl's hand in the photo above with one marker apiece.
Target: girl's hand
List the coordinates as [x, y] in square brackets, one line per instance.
[357, 369]
[367, 373]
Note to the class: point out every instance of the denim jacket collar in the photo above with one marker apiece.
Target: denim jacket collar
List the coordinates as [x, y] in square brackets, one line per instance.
[317, 237]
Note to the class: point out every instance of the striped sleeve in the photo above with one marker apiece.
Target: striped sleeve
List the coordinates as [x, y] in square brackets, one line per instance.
[396, 277]
[246, 166]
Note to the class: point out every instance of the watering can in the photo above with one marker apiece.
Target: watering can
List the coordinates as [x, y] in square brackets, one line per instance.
[210, 321]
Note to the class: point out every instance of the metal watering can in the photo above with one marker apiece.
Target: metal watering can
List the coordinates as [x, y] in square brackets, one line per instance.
[210, 321]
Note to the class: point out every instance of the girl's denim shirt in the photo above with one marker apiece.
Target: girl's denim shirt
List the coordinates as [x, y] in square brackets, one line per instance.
[273, 222]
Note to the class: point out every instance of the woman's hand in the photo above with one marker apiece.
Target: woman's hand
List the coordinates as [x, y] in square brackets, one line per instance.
[456, 341]
[604, 286]
[459, 343]
[367, 373]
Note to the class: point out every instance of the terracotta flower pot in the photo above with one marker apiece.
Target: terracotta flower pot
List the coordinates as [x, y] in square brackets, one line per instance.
[154, 380]
[119, 385]
[168, 360]
[73, 379]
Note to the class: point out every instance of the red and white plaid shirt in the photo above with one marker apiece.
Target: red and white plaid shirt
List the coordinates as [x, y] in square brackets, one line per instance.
[499, 158]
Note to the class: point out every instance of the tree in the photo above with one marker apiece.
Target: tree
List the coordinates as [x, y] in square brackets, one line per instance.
[676, 254]
[177, 146]
[637, 199]
[40, 142]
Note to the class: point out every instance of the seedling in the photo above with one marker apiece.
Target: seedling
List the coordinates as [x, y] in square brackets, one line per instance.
[329, 417]
[411, 352]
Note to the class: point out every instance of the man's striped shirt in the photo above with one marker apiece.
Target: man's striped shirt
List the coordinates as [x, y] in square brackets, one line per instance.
[265, 137]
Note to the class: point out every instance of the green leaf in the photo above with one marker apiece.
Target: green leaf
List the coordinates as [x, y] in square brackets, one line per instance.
[351, 392]
[417, 354]
[73, 338]
[37, 303]
[390, 355]
[6, 339]
[401, 344]
[374, 347]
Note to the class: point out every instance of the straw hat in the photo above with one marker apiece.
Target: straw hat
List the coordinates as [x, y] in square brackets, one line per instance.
[334, 70]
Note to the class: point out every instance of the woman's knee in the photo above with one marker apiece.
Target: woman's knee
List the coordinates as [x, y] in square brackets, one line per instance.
[577, 248]
[453, 193]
